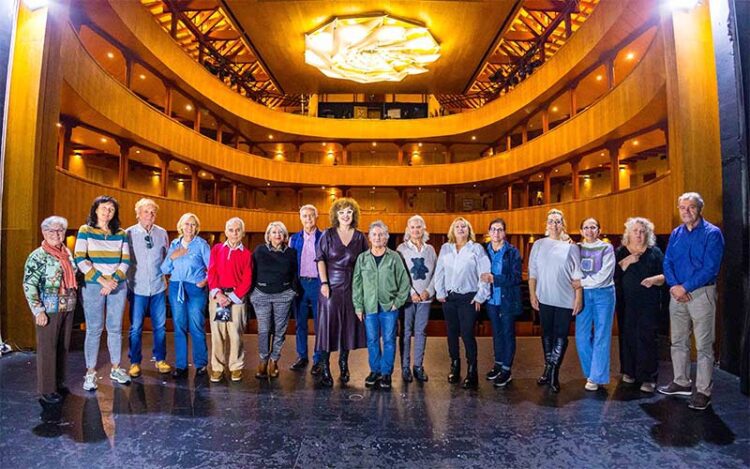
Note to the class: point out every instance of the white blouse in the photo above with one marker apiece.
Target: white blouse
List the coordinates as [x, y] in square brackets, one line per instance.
[459, 271]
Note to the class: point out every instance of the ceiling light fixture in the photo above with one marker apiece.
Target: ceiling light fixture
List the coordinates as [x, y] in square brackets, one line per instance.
[370, 49]
[110, 55]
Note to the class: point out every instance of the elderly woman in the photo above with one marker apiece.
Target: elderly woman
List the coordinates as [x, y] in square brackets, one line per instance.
[379, 288]
[103, 256]
[459, 287]
[336, 253]
[49, 283]
[275, 285]
[554, 275]
[420, 259]
[638, 277]
[598, 268]
[505, 302]
[230, 276]
[186, 263]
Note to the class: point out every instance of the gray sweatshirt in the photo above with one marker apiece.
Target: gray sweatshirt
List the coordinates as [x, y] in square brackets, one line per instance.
[421, 267]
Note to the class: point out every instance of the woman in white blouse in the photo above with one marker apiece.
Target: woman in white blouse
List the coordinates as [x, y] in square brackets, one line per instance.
[555, 291]
[458, 287]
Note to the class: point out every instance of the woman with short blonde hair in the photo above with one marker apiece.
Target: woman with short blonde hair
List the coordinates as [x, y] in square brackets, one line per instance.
[185, 217]
[280, 226]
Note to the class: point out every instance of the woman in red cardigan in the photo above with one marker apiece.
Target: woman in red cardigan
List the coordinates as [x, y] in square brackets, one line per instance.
[229, 278]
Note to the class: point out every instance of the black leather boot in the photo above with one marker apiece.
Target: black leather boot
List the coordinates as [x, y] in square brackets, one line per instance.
[558, 353]
[344, 366]
[326, 380]
[455, 375]
[472, 377]
[547, 347]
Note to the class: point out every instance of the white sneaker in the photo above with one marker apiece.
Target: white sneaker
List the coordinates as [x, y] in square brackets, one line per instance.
[120, 375]
[89, 382]
[4, 348]
[591, 386]
[648, 387]
[628, 379]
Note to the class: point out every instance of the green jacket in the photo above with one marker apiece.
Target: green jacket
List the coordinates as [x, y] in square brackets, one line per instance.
[386, 284]
[42, 277]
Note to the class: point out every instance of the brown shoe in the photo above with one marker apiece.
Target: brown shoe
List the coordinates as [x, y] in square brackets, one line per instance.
[236, 375]
[273, 369]
[262, 372]
[216, 376]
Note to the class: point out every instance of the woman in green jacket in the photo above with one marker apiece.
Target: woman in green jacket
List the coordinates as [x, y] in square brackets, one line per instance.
[379, 288]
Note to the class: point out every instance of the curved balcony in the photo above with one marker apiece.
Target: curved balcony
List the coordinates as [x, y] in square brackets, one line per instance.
[606, 27]
[636, 103]
[646, 200]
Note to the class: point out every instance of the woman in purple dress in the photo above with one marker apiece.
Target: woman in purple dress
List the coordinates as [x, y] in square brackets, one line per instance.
[338, 327]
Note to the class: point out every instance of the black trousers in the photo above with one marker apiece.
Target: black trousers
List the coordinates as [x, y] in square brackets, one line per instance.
[460, 317]
[639, 344]
[555, 321]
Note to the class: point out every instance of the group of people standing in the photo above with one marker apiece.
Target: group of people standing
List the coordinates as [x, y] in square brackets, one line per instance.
[355, 291]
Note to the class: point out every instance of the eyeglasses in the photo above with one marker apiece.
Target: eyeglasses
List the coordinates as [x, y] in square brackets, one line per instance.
[592, 227]
[497, 230]
[149, 242]
[346, 211]
[60, 231]
[554, 222]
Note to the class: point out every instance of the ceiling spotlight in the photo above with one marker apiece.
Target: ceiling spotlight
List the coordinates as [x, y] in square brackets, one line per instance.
[138, 152]
[58, 125]
[374, 144]
[630, 56]
[322, 144]
[599, 78]
[554, 108]
[188, 107]
[419, 145]
[473, 137]
[268, 184]
[110, 55]
[635, 143]
[270, 136]
[103, 140]
[142, 76]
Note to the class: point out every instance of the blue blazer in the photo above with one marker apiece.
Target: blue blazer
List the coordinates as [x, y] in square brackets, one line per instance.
[297, 241]
[509, 281]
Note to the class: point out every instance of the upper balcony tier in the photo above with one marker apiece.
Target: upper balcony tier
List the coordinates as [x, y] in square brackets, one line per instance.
[610, 24]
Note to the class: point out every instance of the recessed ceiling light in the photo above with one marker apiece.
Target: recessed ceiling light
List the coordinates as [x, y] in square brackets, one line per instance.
[554, 108]
[599, 78]
[103, 140]
[473, 137]
[138, 152]
[142, 76]
[58, 125]
[110, 55]
[635, 143]
[419, 145]
[268, 183]
[322, 144]
[188, 107]
[630, 56]
[270, 136]
[374, 144]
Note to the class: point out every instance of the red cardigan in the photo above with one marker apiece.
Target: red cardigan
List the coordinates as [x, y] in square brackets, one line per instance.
[230, 269]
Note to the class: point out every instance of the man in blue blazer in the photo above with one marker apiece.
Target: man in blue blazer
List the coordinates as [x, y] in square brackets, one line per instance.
[305, 241]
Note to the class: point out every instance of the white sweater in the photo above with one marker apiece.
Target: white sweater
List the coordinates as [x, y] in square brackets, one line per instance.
[554, 265]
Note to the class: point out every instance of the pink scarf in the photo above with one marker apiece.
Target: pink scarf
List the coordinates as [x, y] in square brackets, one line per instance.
[63, 255]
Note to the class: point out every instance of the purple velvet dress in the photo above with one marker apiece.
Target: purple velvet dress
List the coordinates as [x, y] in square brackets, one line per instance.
[337, 327]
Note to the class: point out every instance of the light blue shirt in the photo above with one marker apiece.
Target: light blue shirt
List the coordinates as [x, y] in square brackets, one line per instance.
[496, 258]
[144, 275]
[191, 267]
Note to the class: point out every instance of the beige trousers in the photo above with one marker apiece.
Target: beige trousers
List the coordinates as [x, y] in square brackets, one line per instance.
[227, 333]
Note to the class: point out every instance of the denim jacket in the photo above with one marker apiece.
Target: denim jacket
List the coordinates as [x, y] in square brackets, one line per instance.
[509, 280]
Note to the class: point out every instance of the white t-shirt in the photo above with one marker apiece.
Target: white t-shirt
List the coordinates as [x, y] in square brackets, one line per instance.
[554, 265]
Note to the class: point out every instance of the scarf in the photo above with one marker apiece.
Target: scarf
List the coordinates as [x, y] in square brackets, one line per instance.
[63, 256]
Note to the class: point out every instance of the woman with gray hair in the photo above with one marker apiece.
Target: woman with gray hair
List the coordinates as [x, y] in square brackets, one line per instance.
[380, 286]
[275, 286]
[638, 277]
[49, 283]
[420, 259]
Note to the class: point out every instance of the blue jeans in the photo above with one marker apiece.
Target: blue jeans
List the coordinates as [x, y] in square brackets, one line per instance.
[188, 317]
[309, 297]
[381, 324]
[503, 336]
[156, 305]
[593, 347]
[94, 306]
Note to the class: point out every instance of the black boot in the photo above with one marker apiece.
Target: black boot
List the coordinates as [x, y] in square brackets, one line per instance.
[344, 366]
[326, 380]
[547, 347]
[558, 353]
[472, 377]
[455, 375]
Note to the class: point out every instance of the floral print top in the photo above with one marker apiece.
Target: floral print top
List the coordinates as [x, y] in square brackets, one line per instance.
[42, 277]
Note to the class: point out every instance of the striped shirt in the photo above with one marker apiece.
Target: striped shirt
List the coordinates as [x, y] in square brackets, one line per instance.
[99, 254]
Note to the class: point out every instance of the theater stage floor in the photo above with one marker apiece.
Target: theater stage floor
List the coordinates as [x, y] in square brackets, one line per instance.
[157, 422]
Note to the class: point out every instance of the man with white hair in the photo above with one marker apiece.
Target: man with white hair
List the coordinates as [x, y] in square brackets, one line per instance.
[304, 242]
[691, 265]
[147, 287]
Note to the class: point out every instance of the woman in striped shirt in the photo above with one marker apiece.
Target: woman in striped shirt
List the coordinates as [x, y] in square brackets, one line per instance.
[103, 256]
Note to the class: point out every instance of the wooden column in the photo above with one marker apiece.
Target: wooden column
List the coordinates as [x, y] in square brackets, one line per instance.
[297, 157]
[234, 194]
[400, 157]
[194, 183]
[524, 133]
[450, 200]
[510, 196]
[64, 147]
[526, 193]
[574, 163]
[167, 99]
[609, 64]
[251, 200]
[545, 120]
[164, 179]
[298, 193]
[344, 154]
[402, 194]
[197, 118]
[508, 142]
[614, 161]
[219, 131]
[548, 186]
[122, 179]
[217, 199]
[449, 154]
[573, 100]
[237, 140]
[128, 71]
[173, 26]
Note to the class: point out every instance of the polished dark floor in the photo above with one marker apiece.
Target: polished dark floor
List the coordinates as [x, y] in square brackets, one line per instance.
[157, 422]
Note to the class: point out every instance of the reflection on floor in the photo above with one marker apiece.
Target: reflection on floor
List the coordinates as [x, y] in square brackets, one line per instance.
[290, 422]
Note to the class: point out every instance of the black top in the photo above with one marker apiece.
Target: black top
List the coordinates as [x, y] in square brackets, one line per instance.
[631, 295]
[274, 271]
[378, 258]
